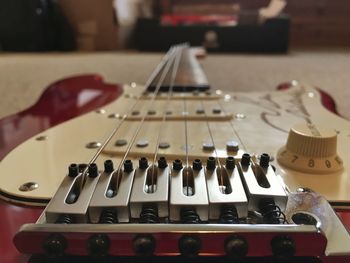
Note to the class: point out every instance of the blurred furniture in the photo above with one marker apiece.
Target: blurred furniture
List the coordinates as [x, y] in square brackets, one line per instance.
[313, 22]
[93, 23]
[220, 26]
[270, 37]
[319, 22]
[34, 25]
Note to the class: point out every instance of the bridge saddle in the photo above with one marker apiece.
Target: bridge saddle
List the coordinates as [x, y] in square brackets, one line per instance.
[238, 209]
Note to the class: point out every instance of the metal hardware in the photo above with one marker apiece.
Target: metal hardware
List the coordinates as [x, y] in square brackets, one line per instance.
[119, 200]
[120, 142]
[221, 177]
[178, 200]
[100, 111]
[114, 116]
[29, 186]
[142, 143]
[93, 145]
[156, 196]
[240, 116]
[70, 186]
[261, 183]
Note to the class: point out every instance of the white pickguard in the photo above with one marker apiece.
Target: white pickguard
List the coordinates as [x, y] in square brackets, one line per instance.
[258, 121]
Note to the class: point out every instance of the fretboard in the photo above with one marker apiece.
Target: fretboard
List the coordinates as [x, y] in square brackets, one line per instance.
[189, 75]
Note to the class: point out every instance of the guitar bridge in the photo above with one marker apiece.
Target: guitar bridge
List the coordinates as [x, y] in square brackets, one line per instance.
[190, 210]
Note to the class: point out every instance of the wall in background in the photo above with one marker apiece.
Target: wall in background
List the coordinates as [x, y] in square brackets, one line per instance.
[313, 22]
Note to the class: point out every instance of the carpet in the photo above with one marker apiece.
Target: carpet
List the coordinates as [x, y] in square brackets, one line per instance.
[23, 77]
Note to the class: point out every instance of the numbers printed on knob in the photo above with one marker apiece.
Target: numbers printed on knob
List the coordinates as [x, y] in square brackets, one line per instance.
[295, 157]
[308, 164]
[311, 163]
[338, 160]
[310, 148]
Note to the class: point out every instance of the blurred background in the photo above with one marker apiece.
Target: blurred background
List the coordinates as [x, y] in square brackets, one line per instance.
[252, 44]
[220, 25]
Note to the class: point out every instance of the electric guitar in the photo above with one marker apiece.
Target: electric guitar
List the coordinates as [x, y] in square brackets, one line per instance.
[174, 168]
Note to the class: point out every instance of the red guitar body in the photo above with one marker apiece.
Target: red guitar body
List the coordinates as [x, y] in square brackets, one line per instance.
[60, 102]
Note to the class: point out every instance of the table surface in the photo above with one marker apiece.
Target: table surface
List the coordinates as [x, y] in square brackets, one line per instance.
[23, 77]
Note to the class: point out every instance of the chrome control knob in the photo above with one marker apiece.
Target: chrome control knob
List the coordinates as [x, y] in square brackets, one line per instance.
[311, 149]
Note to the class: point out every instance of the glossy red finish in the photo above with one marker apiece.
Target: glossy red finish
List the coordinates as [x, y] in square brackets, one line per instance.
[345, 218]
[61, 101]
[326, 99]
[12, 217]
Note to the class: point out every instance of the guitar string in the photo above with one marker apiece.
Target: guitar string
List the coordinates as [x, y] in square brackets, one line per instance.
[158, 86]
[110, 135]
[186, 170]
[213, 142]
[232, 127]
[166, 108]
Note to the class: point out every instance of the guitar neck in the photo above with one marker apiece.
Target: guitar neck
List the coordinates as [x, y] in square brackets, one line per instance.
[181, 73]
